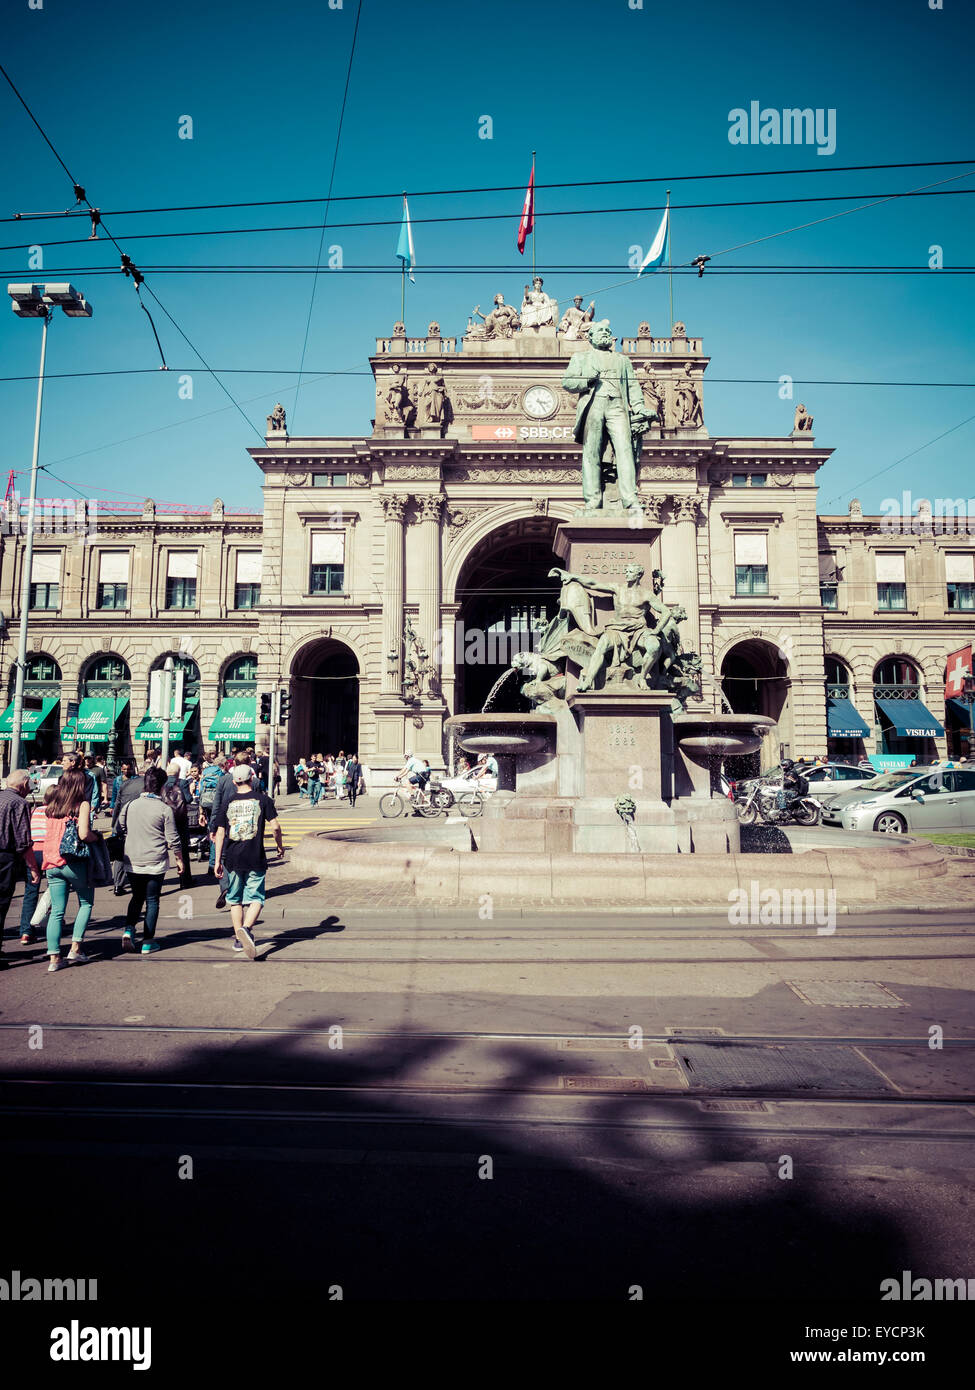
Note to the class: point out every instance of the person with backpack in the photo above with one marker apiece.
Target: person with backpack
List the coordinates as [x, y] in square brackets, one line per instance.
[66, 861]
[16, 847]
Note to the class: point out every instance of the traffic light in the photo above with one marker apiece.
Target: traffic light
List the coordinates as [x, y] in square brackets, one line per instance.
[266, 699]
[284, 707]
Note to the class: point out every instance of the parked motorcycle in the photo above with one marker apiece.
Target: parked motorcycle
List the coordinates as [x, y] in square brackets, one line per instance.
[759, 802]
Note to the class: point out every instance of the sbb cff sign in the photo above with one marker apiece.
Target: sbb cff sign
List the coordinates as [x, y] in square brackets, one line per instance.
[521, 434]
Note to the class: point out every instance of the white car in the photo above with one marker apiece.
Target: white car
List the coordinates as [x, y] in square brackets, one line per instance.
[41, 778]
[467, 781]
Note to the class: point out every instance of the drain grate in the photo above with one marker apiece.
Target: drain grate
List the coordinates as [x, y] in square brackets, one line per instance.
[594, 1045]
[734, 1107]
[750, 1067]
[602, 1083]
[847, 994]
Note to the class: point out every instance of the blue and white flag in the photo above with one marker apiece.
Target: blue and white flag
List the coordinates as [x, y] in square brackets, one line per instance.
[660, 250]
[404, 248]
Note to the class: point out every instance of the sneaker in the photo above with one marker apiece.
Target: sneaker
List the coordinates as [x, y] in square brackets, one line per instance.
[28, 938]
[238, 947]
[149, 946]
[58, 964]
[77, 958]
[42, 909]
[128, 940]
[247, 943]
[221, 901]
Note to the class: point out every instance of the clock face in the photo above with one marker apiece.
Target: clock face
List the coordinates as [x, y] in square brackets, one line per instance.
[539, 402]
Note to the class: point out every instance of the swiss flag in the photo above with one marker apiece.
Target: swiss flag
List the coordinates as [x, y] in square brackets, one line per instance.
[959, 665]
[527, 224]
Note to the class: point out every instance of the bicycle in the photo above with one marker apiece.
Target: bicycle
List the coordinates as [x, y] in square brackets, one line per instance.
[396, 802]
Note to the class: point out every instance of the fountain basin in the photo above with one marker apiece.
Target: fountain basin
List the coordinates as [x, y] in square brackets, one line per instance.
[508, 736]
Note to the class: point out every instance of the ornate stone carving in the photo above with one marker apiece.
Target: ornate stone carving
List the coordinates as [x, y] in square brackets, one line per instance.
[393, 505]
[412, 473]
[687, 403]
[148, 510]
[643, 331]
[395, 401]
[678, 330]
[540, 505]
[537, 307]
[783, 479]
[431, 397]
[514, 475]
[501, 322]
[459, 517]
[399, 330]
[430, 507]
[668, 472]
[653, 394]
[803, 422]
[433, 329]
[359, 479]
[576, 320]
[296, 479]
[856, 511]
[486, 398]
[277, 422]
[687, 507]
[653, 507]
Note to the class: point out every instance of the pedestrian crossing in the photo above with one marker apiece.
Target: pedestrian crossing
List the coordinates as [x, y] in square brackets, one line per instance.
[295, 827]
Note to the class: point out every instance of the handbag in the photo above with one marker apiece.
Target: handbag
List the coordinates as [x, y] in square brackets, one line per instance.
[71, 842]
[100, 865]
[115, 844]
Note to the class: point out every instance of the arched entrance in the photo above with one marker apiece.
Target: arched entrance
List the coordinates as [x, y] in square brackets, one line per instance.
[505, 596]
[324, 700]
[755, 680]
[39, 722]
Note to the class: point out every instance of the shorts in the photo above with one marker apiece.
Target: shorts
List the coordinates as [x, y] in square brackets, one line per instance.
[245, 890]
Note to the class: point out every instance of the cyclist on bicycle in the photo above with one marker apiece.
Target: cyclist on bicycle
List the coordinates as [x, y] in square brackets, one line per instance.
[415, 770]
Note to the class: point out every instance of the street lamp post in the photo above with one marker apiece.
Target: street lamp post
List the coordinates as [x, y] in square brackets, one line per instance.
[35, 302]
[113, 733]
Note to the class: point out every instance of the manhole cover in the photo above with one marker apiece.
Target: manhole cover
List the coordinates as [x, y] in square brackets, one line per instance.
[664, 1062]
[602, 1083]
[847, 994]
[733, 1107]
[750, 1067]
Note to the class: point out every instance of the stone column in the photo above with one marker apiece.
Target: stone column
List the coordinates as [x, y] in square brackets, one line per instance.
[685, 576]
[394, 509]
[431, 511]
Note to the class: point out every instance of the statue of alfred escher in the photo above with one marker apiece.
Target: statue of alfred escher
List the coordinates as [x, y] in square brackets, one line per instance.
[611, 403]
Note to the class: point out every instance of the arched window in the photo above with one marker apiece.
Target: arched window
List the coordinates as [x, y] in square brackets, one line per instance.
[190, 670]
[897, 672]
[240, 677]
[105, 672]
[837, 678]
[41, 667]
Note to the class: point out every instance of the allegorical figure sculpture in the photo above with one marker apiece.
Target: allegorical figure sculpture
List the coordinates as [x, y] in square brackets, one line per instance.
[277, 421]
[803, 420]
[431, 400]
[537, 307]
[687, 403]
[501, 322]
[611, 406]
[576, 320]
[638, 633]
[397, 401]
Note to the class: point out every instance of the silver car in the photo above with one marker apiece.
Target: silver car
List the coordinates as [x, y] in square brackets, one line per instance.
[917, 798]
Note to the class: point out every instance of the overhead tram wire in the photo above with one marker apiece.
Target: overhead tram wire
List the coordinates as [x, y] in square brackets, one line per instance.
[925, 191]
[502, 188]
[328, 199]
[282, 268]
[127, 267]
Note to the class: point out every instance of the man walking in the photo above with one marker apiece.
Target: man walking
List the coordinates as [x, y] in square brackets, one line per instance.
[130, 788]
[353, 775]
[240, 825]
[16, 848]
[223, 793]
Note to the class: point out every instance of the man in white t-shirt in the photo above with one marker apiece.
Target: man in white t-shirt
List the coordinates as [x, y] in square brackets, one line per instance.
[415, 770]
[185, 766]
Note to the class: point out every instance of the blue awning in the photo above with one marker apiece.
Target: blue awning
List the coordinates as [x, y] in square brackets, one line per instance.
[842, 720]
[910, 718]
[961, 711]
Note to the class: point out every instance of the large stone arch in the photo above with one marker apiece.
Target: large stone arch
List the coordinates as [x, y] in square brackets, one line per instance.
[754, 674]
[325, 675]
[493, 517]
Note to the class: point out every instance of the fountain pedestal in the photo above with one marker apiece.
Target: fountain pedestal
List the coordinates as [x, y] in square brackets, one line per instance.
[626, 750]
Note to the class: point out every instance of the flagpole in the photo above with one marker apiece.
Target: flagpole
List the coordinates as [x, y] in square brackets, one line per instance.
[670, 265]
[402, 295]
[533, 217]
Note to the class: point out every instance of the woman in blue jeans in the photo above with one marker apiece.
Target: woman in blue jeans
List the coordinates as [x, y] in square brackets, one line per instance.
[68, 821]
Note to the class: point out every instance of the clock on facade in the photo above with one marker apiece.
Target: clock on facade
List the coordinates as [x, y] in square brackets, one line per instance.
[539, 402]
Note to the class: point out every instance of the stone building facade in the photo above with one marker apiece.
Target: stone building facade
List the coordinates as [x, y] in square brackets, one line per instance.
[401, 569]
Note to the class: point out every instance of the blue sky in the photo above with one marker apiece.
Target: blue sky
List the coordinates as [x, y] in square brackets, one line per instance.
[601, 91]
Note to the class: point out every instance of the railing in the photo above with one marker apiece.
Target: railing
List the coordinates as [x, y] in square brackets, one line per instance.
[651, 346]
[420, 346]
[837, 692]
[897, 692]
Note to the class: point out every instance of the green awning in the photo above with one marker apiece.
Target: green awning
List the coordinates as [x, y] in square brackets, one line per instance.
[96, 716]
[31, 719]
[151, 729]
[236, 719]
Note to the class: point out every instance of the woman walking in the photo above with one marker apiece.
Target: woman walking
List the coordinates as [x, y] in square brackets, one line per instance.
[36, 905]
[149, 827]
[66, 862]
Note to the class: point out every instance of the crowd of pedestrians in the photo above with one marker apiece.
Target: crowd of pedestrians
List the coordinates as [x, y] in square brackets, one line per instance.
[320, 774]
[156, 811]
